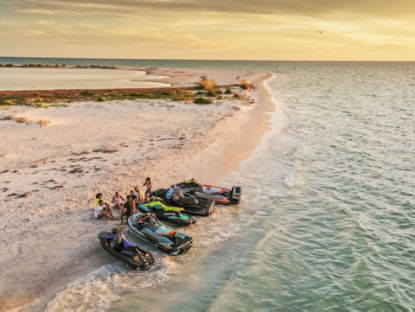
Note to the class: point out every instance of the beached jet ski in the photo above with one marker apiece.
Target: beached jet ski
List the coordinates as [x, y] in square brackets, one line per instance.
[145, 226]
[221, 195]
[172, 216]
[192, 205]
[119, 247]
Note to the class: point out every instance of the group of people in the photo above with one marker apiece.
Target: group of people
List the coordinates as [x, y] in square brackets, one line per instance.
[125, 205]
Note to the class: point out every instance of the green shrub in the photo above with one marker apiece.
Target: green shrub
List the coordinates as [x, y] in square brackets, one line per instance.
[202, 101]
[101, 99]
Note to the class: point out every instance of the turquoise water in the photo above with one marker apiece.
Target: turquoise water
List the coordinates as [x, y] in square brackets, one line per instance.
[328, 217]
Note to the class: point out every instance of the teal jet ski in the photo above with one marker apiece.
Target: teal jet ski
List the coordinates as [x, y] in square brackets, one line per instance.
[172, 217]
[146, 227]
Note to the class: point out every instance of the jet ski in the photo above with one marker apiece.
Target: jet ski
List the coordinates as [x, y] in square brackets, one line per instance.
[221, 195]
[145, 226]
[173, 217]
[131, 254]
[192, 205]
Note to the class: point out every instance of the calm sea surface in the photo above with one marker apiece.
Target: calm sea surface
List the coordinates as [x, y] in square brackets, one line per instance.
[328, 217]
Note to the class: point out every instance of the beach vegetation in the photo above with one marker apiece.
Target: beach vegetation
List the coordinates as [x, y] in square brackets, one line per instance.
[9, 102]
[21, 120]
[43, 122]
[228, 90]
[51, 98]
[245, 85]
[238, 96]
[202, 101]
[211, 93]
[8, 117]
[86, 93]
[208, 84]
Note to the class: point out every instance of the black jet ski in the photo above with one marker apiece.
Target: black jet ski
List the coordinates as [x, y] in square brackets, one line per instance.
[192, 205]
[119, 247]
[167, 214]
[221, 195]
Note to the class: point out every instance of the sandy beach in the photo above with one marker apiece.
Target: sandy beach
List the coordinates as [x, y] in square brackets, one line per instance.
[76, 78]
[50, 174]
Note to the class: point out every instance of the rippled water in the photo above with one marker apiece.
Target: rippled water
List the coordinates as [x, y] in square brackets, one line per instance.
[328, 217]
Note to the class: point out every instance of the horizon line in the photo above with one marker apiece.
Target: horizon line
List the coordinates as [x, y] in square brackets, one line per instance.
[220, 60]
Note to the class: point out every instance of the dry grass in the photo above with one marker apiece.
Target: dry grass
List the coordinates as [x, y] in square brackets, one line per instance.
[188, 99]
[21, 120]
[238, 96]
[43, 122]
[208, 85]
[245, 85]
[9, 102]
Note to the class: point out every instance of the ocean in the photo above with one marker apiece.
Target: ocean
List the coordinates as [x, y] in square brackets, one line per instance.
[327, 221]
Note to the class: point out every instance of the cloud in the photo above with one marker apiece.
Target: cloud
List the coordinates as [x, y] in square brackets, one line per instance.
[273, 7]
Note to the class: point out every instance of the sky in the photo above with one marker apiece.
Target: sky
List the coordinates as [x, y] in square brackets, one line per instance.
[210, 29]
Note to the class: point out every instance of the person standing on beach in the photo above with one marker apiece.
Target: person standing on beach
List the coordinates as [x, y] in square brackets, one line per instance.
[140, 194]
[149, 185]
[129, 207]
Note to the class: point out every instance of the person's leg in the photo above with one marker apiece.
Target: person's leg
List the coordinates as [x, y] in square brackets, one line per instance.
[123, 211]
[110, 212]
[105, 213]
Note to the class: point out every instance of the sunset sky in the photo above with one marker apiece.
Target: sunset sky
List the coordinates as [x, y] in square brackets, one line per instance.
[210, 29]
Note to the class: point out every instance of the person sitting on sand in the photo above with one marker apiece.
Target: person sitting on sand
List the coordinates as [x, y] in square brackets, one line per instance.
[98, 197]
[149, 185]
[141, 197]
[129, 207]
[103, 210]
[117, 200]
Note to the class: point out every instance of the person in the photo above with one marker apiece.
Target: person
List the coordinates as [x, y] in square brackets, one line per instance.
[129, 207]
[117, 240]
[103, 210]
[117, 200]
[98, 197]
[141, 197]
[149, 185]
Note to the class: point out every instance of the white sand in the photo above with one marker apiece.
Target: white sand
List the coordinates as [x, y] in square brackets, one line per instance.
[75, 78]
[50, 175]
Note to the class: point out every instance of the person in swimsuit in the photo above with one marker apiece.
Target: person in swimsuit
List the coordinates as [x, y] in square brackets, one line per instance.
[149, 185]
[129, 207]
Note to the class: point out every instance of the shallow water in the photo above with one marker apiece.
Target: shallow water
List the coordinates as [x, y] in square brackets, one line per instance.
[328, 213]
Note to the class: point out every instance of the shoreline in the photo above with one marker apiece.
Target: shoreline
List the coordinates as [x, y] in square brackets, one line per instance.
[201, 153]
